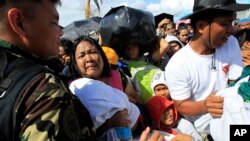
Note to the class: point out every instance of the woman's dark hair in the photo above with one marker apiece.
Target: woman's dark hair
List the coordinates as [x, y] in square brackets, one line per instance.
[67, 45]
[106, 67]
[181, 27]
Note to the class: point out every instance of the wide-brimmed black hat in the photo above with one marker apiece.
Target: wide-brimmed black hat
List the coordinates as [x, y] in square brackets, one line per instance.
[203, 5]
[160, 17]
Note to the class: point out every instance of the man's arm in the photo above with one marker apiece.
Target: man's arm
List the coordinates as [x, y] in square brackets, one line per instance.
[48, 112]
[212, 104]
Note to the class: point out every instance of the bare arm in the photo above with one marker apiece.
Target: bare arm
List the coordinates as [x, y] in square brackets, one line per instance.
[133, 97]
[161, 51]
[212, 104]
[190, 108]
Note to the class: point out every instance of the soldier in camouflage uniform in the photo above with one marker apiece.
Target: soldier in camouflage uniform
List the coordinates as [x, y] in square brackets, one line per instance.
[46, 110]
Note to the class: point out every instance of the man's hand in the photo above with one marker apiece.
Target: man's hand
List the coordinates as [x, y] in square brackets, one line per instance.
[214, 105]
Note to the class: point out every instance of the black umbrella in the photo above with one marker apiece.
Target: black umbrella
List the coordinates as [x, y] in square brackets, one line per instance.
[89, 27]
[125, 25]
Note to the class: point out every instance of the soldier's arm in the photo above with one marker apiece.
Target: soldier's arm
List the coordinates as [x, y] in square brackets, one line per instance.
[46, 112]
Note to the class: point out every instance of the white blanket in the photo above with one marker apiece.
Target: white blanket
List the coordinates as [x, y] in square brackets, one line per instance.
[102, 101]
[236, 111]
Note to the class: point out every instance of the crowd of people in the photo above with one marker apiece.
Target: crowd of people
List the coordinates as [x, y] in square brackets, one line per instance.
[162, 76]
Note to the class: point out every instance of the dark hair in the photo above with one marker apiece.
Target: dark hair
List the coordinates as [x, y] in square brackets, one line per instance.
[106, 67]
[243, 36]
[5, 5]
[67, 45]
[209, 15]
[181, 27]
[180, 45]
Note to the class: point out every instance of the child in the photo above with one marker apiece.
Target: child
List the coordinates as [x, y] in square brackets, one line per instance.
[166, 118]
[158, 85]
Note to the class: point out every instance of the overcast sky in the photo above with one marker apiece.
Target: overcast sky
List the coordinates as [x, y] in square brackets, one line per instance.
[72, 10]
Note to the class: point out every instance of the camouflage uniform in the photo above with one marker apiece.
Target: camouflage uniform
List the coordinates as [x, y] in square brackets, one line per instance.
[47, 110]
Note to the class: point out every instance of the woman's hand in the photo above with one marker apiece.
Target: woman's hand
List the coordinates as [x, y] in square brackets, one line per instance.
[163, 21]
[120, 119]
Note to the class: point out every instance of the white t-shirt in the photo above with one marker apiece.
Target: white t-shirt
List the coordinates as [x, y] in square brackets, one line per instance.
[190, 75]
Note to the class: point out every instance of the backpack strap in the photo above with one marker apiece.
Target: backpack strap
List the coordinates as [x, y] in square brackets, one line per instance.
[16, 80]
[3, 59]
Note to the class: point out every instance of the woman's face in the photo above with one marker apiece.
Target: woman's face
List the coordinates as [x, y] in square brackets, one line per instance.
[88, 60]
[170, 29]
[63, 56]
[183, 36]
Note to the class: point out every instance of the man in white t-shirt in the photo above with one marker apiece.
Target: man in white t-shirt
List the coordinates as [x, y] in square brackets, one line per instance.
[207, 64]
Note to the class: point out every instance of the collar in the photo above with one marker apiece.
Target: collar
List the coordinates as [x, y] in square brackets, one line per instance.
[16, 50]
[5, 44]
[20, 52]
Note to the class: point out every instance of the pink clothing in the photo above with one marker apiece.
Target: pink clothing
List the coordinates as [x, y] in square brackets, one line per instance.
[115, 80]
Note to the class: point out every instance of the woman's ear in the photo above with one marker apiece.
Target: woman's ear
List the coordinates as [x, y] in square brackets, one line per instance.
[16, 20]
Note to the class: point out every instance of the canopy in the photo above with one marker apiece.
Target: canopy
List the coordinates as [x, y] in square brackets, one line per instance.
[88, 27]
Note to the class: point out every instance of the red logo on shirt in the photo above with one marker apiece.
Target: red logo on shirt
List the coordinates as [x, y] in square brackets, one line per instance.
[225, 68]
